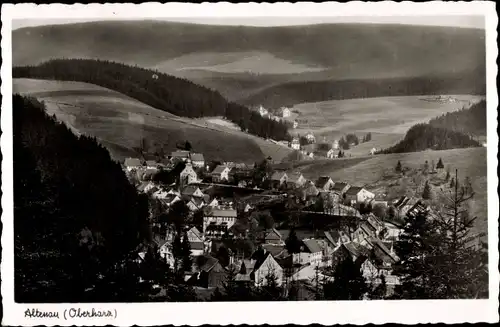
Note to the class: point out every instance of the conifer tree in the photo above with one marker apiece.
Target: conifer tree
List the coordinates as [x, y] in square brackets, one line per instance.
[292, 243]
[348, 282]
[440, 164]
[187, 262]
[427, 193]
[399, 167]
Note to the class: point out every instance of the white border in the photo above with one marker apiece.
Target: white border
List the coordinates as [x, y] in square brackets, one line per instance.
[378, 312]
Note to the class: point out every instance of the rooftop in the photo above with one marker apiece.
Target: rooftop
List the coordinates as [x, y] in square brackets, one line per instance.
[321, 182]
[311, 245]
[219, 169]
[353, 190]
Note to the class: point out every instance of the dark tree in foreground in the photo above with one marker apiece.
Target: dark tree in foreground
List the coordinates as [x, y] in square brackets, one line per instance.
[348, 282]
[427, 193]
[292, 243]
[440, 164]
[399, 168]
[72, 229]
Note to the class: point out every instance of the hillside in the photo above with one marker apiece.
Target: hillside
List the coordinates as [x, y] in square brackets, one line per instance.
[471, 121]
[72, 227]
[162, 91]
[291, 93]
[121, 123]
[422, 137]
[240, 61]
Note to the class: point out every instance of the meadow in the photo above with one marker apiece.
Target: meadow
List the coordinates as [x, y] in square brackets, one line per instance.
[387, 118]
[121, 122]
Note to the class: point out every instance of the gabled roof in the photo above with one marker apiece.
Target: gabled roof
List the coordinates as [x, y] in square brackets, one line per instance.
[189, 190]
[220, 212]
[339, 186]
[275, 250]
[197, 201]
[310, 189]
[294, 177]
[196, 245]
[278, 175]
[355, 249]
[132, 162]
[312, 246]
[261, 259]
[219, 169]
[353, 190]
[322, 181]
[273, 235]
[207, 263]
[195, 231]
[197, 157]
[180, 154]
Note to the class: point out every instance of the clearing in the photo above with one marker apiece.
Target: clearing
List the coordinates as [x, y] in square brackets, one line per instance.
[387, 118]
[120, 122]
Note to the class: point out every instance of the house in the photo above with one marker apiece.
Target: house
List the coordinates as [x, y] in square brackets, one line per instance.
[331, 154]
[263, 111]
[195, 203]
[151, 164]
[373, 151]
[273, 237]
[180, 155]
[197, 160]
[356, 194]
[170, 199]
[224, 217]
[210, 273]
[220, 173]
[295, 124]
[284, 112]
[188, 175]
[295, 144]
[310, 137]
[213, 203]
[264, 267]
[278, 178]
[335, 144]
[195, 241]
[309, 192]
[324, 183]
[165, 250]
[191, 191]
[340, 187]
[310, 253]
[296, 179]
[146, 187]
[132, 164]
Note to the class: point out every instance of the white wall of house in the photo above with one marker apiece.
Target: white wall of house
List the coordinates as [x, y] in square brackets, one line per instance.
[269, 266]
[364, 195]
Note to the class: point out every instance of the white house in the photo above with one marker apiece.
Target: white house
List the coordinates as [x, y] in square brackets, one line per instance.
[263, 111]
[222, 216]
[165, 250]
[197, 160]
[284, 112]
[195, 241]
[188, 175]
[220, 173]
[335, 144]
[192, 191]
[356, 194]
[373, 151]
[331, 154]
[295, 144]
[310, 253]
[295, 124]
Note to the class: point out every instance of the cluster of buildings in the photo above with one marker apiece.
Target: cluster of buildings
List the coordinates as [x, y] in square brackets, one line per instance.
[372, 241]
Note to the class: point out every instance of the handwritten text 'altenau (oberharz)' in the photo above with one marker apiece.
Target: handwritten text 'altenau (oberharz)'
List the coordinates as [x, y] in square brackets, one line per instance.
[70, 313]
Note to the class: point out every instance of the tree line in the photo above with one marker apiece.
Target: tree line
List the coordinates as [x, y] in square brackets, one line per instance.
[471, 121]
[424, 136]
[175, 95]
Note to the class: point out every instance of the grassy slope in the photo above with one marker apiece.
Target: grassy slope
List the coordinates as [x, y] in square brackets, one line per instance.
[121, 122]
[469, 162]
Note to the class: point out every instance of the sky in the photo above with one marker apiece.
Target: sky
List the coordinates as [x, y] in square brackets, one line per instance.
[453, 21]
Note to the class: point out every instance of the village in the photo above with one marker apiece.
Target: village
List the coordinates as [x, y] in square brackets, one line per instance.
[258, 221]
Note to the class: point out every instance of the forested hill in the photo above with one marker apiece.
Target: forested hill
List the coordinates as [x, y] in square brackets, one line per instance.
[424, 136]
[291, 93]
[175, 95]
[75, 214]
[471, 121]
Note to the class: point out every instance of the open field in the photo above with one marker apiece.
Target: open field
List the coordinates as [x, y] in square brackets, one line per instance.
[257, 62]
[387, 118]
[121, 122]
[470, 162]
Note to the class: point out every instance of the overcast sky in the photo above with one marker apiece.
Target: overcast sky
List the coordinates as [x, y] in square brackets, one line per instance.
[454, 21]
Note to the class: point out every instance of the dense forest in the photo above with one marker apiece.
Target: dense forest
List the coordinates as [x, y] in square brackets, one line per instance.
[289, 94]
[175, 95]
[424, 136]
[471, 121]
[76, 217]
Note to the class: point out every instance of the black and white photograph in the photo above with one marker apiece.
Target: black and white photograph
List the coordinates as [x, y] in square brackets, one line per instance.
[248, 155]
